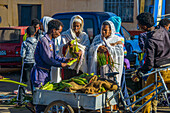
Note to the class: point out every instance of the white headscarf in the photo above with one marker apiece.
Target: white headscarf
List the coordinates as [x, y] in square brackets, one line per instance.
[45, 21]
[116, 52]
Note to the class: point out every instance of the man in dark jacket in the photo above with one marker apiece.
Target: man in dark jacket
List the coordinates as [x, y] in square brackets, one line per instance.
[165, 23]
[157, 54]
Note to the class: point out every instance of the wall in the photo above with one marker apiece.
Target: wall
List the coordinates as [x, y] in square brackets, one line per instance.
[132, 26]
[50, 7]
[59, 6]
[10, 15]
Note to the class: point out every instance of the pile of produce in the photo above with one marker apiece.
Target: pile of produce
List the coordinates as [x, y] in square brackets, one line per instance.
[85, 83]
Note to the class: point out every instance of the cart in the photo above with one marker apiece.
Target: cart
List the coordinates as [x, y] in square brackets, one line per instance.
[63, 102]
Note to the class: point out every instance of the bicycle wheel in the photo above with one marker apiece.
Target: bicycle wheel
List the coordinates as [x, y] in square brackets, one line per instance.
[59, 107]
[130, 91]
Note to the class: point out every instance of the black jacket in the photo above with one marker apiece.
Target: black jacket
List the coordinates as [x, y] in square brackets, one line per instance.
[157, 49]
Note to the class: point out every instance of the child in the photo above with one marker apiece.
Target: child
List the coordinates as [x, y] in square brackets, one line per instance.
[27, 53]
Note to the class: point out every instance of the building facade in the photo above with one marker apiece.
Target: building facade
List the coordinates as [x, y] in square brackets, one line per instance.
[21, 12]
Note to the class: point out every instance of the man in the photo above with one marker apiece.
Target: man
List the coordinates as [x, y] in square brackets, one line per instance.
[36, 24]
[157, 53]
[38, 33]
[45, 57]
[165, 23]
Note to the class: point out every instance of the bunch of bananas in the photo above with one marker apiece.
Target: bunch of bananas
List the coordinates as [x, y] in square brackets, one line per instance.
[74, 48]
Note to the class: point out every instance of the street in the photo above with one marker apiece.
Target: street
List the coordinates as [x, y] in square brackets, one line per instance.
[8, 89]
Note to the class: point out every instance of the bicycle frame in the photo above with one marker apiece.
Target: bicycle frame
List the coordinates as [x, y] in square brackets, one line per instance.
[158, 90]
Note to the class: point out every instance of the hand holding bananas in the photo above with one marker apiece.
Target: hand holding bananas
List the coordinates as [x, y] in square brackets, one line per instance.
[102, 49]
[69, 44]
[79, 53]
[69, 59]
[64, 65]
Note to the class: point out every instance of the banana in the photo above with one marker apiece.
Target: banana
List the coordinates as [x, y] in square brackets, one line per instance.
[45, 85]
[78, 81]
[48, 87]
[83, 79]
[67, 84]
[71, 62]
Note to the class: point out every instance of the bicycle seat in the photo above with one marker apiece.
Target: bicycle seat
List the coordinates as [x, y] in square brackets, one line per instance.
[112, 74]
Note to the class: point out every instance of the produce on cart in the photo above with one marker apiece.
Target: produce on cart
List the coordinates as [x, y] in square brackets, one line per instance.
[85, 83]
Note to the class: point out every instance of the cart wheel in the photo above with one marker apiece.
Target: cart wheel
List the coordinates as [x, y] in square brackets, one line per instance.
[134, 97]
[59, 107]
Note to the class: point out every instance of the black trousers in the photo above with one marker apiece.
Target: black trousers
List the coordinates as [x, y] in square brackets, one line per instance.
[27, 72]
[25, 79]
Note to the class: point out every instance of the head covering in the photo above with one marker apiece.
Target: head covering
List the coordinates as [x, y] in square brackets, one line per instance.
[77, 18]
[45, 21]
[116, 21]
[113, 30]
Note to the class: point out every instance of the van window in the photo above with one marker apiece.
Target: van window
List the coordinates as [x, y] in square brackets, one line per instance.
[9, 36]
[89, 28]
[125, 33]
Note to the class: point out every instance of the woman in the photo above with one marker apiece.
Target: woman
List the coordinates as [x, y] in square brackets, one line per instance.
[107, 42]
[75, 32]
[44, 23]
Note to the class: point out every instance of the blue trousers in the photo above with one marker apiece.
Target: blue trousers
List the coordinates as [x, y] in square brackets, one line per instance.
[124, 89]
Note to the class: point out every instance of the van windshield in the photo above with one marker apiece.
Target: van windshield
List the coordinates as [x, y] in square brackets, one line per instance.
[9, 35]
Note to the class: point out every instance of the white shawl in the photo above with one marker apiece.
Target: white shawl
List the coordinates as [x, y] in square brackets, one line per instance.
[116, 52]
[83, 44]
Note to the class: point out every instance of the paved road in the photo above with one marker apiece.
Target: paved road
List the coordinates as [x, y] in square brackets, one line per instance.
[8, 88]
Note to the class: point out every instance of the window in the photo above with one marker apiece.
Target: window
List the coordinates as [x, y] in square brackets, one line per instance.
[9, 35]
[122, 8]
[26, 12]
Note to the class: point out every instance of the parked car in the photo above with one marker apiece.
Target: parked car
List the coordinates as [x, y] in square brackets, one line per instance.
[10, 44]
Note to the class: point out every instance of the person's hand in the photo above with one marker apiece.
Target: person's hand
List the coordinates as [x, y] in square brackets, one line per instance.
[102, 49]
[1, 77]
[135, 78]
[118, 42]
[70, 44]
[69, 59]
[64, 65]
[79, 53]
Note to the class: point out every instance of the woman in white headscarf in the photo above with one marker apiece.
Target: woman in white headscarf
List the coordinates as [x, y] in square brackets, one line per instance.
[44, 23]
[105, 42]
[75, 32]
